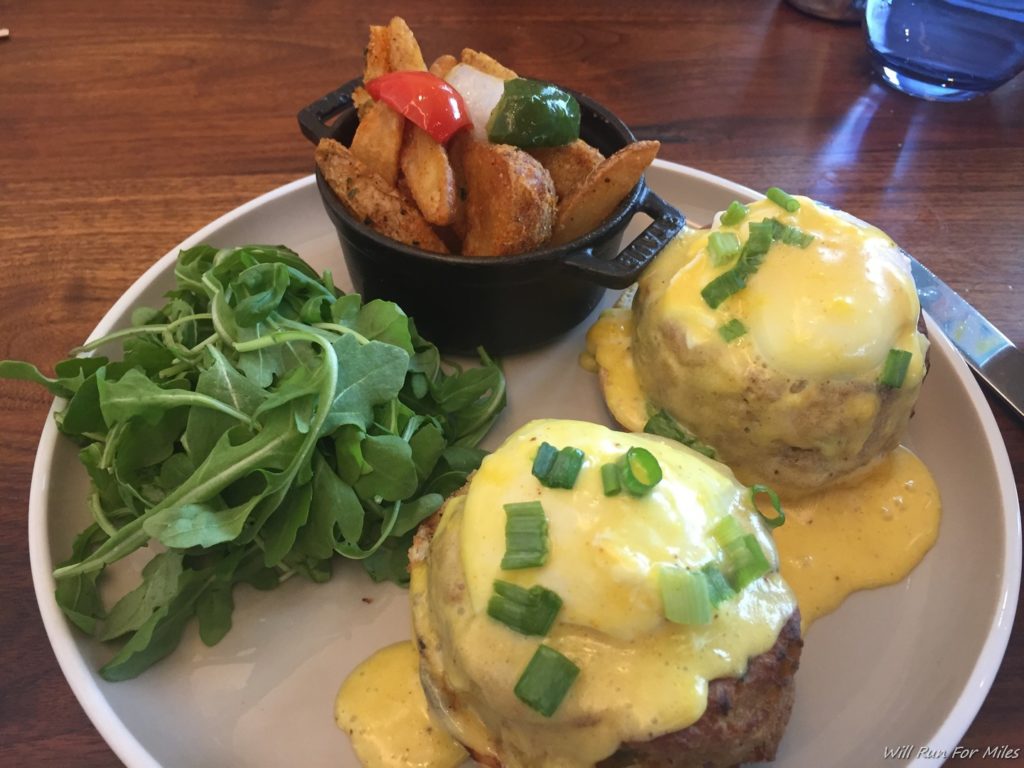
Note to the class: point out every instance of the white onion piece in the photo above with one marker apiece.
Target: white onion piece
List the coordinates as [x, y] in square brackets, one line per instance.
[480, 91]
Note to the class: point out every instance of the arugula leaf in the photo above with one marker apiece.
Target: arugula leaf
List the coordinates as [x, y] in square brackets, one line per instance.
[372, 373]
[103, 481]
[427, 444]
[83, 415]
[455, 465]
[145, 445]
[348, 452]
[159, 585]
[222, 382]
[384, 321]
[175, 471]
[391, 561]
[213, 612]
[79, 596]
[335, 510]
[261, 287]
[198, 524]
[415, 512]
[392, 474]
[147, 354]
[257, 425]
[345, 310]
[134, 395]
[19, 371]
[161, 632]
[282, 527]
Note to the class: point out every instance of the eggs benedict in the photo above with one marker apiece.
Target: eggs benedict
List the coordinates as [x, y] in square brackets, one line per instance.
[599, 598]
[785, 338]
[785, 341]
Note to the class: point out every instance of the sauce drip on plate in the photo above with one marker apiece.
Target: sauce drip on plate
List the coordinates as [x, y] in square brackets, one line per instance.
[381, 706]
[859, 535]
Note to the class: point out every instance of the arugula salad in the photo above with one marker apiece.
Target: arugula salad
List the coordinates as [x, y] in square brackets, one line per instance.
[258, 424]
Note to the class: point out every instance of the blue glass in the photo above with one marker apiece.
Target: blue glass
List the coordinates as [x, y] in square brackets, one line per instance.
[945, 50]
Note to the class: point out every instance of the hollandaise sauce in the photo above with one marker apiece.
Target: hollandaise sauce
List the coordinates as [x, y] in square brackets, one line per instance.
[610, 352]
[382, 708]
[640, 674]
[859, 535]
[822, 314]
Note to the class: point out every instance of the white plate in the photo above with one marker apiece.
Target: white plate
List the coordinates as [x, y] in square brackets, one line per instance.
[909, 664]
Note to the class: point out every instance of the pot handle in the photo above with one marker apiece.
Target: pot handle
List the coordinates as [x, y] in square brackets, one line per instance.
[313, 119]
[624, 269]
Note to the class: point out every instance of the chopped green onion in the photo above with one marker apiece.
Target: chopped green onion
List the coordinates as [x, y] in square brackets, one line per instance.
[732, 330]
[546, 680]
[773, 497]
[783, 200]
[734, 214]
[565, 470]
[789, 234]
[526, 536]
[895, 369]
[663, 424]
[746, 561]
[527, 611]
[544, 460]
[610, 479]
[684, 595]
[639, 471]
[718, 588]
[723, 247]
[722, 287]
[761, 235]
[751, 258]
[726, 530]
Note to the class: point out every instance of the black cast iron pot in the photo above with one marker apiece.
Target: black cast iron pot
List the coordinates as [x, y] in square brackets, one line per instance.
[508, 303]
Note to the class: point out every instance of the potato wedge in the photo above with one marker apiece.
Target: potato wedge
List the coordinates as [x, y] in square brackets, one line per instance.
[568, 164]
[372, 200]
[377, 59]
[443, 64]
[426, 170]
[362, 100]
[510, 203]
[458, 148]
[403, 50]
[485, 63]
[378, 141]
[602, 190]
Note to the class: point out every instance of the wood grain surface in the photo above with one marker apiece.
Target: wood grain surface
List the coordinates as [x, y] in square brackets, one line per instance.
[125, 126]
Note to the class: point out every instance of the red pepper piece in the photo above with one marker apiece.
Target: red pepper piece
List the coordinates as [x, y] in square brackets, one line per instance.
[424, 99]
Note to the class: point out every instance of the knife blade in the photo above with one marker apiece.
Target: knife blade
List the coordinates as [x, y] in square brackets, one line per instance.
[991, 355]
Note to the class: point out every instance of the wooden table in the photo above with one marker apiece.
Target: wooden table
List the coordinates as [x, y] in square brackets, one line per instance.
[126, 126]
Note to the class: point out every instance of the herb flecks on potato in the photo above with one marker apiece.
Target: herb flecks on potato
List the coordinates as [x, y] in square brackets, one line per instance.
[372, 200]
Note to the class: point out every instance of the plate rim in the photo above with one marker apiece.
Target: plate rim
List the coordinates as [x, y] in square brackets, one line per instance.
[130, 750]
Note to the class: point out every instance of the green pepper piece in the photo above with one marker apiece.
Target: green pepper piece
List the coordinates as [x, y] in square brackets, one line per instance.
[534, 114]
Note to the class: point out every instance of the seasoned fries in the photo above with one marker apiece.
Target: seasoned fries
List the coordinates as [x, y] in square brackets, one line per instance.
[485, 63]
[378, 141]
[372, 200]
[443, 65]
[467, 195]
[518, 219]
[426, 170]
[403, 50]
[377, 57]
[568, 164]
[603, 189]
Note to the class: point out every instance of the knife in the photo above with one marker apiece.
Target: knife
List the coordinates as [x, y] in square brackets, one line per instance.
[991, 355]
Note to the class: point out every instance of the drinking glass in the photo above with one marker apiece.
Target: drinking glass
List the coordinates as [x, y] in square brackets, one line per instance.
[945, 50]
